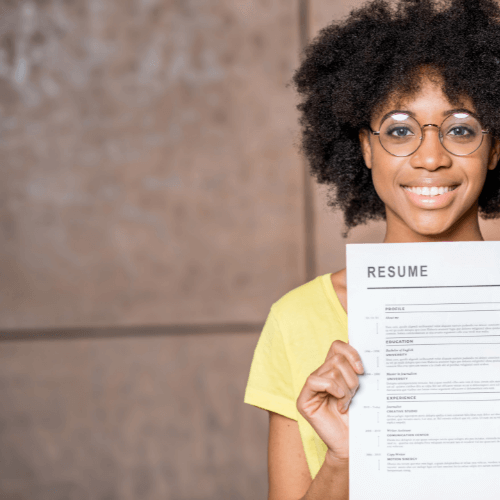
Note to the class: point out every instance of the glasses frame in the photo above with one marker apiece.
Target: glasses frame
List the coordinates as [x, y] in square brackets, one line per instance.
[377, 133]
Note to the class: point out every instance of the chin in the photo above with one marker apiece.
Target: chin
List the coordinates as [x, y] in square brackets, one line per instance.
[432, 234]
[431, 230]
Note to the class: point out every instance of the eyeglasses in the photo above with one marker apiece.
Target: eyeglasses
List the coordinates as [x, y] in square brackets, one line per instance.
[401, 135]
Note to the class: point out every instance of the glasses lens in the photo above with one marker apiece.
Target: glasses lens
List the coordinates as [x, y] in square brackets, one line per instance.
[400, 134]
[461, 134]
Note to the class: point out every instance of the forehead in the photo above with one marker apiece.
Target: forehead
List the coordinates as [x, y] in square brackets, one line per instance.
[427, 99]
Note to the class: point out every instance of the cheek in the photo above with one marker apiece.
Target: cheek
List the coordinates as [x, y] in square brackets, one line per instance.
[476, 174]
[385, 179]
[380, 185]
[477, 179]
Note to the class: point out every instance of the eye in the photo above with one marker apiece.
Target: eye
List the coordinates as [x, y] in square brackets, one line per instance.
[460, 131]
[400, 131]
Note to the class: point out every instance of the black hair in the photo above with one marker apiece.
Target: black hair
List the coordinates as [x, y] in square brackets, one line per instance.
[355, 65]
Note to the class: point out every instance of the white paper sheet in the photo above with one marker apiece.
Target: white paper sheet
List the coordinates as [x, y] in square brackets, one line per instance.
[425, 422]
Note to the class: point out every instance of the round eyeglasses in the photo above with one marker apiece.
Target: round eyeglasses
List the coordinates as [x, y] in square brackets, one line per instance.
[401, 135]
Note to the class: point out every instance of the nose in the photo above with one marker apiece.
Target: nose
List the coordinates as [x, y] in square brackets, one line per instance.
[431, 154]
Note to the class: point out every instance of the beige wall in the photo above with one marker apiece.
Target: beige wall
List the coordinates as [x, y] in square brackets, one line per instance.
[149, 170]
[155, 418]
[151, 199]
[152, 209]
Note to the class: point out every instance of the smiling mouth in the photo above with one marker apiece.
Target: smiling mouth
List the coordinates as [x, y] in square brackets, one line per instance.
[429, 191]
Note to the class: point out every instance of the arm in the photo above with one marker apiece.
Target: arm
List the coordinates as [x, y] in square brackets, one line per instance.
[323, 402]
[289, 476]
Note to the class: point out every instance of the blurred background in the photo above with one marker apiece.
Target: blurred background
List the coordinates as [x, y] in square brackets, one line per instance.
[153, 206]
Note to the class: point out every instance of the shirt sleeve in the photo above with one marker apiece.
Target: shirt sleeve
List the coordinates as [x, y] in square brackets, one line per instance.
[270, 381]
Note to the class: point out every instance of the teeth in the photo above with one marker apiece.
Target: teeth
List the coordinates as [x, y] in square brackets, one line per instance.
[432, 191]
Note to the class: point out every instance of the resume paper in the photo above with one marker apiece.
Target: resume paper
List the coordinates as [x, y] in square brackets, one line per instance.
[425, 319]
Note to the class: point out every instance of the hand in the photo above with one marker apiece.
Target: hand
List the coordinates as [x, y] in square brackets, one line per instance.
[326, 395]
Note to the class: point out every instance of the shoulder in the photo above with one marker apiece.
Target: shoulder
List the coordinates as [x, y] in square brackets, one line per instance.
[312, 306]
[339, 279]
[311, 311]
[299, 299]
[339, 282]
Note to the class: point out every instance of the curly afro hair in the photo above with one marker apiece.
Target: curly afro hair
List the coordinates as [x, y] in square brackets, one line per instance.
[356, 65]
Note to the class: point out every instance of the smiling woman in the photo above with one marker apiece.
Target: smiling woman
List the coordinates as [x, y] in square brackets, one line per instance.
[380, 54]
[429, 177]
[400, 117]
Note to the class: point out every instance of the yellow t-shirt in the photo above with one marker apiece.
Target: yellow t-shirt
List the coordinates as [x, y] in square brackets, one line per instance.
[298, 332]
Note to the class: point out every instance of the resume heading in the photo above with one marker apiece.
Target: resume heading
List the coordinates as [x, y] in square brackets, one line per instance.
[396, 271]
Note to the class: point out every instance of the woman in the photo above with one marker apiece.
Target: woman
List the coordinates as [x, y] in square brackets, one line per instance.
[401, 117]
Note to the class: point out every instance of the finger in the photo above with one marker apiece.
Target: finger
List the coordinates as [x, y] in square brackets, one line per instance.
[340, 363]
[351, 380]
[319, 385]
[339, 347]
[338, 368]
[349, 375]
[340, 380]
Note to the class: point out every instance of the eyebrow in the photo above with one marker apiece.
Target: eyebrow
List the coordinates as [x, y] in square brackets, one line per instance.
[444, 113]
[459, 110]
[392, 112]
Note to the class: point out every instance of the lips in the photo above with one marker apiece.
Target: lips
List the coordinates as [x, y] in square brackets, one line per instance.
[429, 190]
[434, 199]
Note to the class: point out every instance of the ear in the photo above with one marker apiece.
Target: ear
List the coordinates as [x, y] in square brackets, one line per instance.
[366, 147]
[494, 154]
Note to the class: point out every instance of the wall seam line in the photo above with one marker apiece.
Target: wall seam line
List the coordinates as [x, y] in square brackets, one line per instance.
[308, 193]
[76, 333]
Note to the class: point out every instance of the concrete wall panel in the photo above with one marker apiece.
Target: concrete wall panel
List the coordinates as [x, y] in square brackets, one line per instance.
[148, 168]
[150, 418]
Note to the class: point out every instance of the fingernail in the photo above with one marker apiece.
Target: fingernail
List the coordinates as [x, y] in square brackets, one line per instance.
[346, 407]
[359, 366]
[341, 393]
